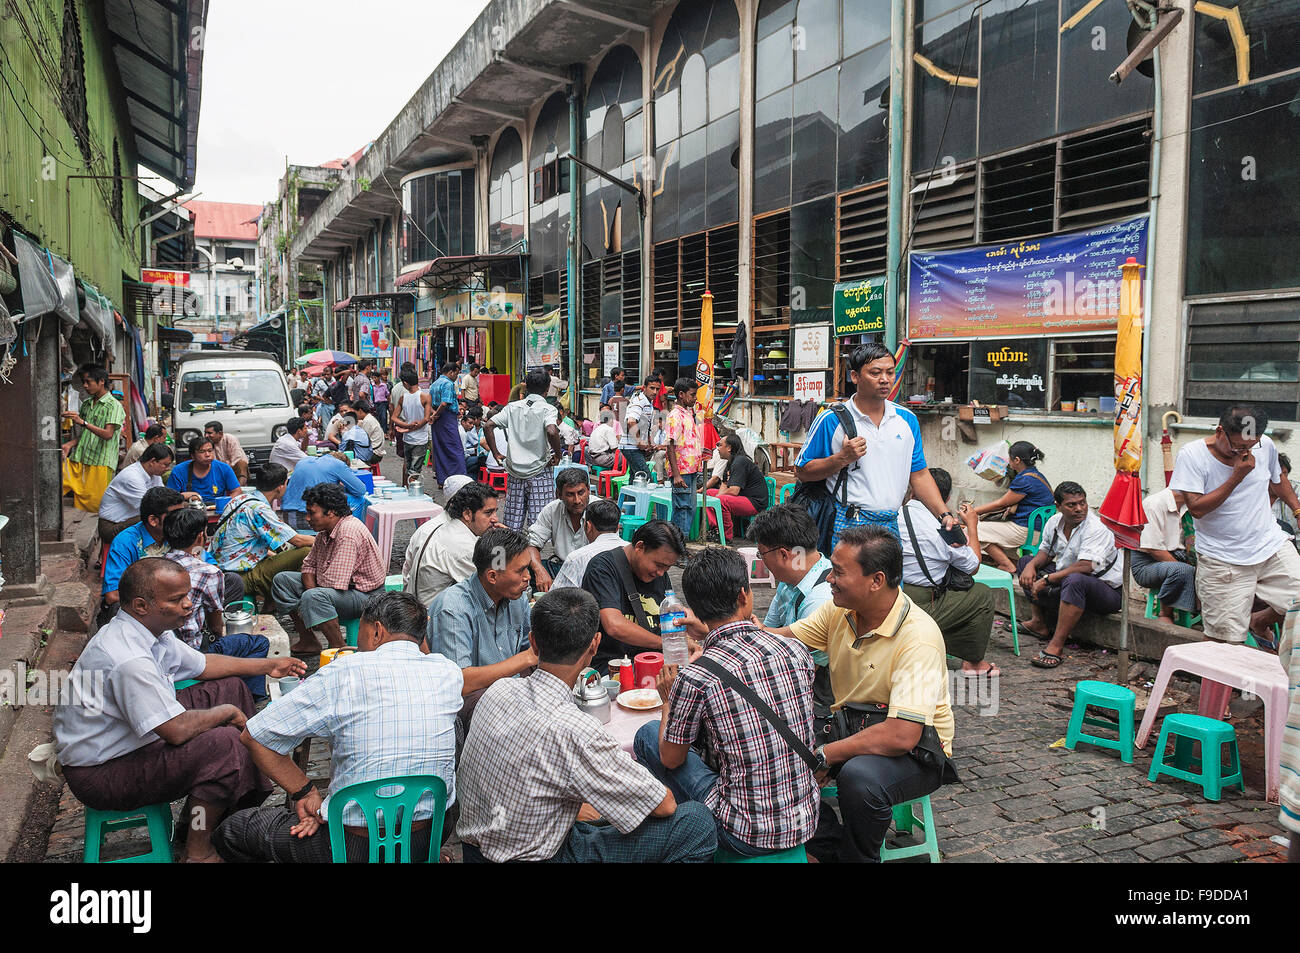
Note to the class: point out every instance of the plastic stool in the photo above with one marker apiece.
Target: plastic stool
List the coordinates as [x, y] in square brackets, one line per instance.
[497, 480]
[795, 855]
[1117, 698]
[627, 525]
[996, 578]
[904, 820]
[1212, 735]
[351, 628]
[157, 817]
[393, 583]
[1181, 616]
[758, 572]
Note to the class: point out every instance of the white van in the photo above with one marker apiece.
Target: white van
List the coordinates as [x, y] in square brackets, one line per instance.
[245, 390]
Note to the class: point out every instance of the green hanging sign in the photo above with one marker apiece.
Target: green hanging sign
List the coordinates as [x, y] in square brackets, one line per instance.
[860, 306]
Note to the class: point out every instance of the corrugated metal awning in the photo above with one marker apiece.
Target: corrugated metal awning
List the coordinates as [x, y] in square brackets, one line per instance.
[455, 271]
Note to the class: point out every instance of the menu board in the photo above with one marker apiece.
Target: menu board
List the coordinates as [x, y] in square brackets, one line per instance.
[1063, 284]
[1014, 374]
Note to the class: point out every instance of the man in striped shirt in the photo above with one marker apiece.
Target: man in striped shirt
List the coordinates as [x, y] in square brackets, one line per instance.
[91, 460]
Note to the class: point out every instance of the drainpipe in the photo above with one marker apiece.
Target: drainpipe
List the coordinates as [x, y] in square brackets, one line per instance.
[1148, 283]
[897, 40]
[571, 252]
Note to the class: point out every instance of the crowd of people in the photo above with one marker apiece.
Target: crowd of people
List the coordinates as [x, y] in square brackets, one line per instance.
[524, 583]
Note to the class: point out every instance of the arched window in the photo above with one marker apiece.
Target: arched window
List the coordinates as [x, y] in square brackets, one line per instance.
[615, 138]
[549, 186]
[506, 192]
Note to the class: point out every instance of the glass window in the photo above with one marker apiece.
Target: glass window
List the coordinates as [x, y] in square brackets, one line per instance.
[633, 137]
[773, 14]
[612, 148]
[692, 183]
[1243, 169]
[695, 111]
[866, 23]
[722, 141]
[218, 390]
[943, 115]
[1083, 369]
[817, 36]
[1090, 51]
[812, 260]
[774, 63]
[814, 136]
[1017, 73]
[438, 217]
[863, 121]
[724, 87]
[772, 152]
[1272, 30]
[667, 126]
[665, 191]
[505, 192]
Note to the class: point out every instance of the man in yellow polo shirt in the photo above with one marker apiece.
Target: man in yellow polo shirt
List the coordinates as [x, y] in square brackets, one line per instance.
[893, 729]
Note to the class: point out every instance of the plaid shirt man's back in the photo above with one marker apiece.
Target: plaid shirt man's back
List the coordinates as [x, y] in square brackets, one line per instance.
[765, 794]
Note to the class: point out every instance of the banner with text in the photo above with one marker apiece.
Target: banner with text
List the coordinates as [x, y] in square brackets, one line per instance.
[376, 332]
[859, 306]
[1064, 284]
[542, 340]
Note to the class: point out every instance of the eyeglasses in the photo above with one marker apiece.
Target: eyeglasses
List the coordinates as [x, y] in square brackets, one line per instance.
[774, 549]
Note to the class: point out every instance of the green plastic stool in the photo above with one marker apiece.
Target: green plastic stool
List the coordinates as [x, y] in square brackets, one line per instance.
[184, 683]
[1103, 695]
[904, 820]
[1181, 616]
[629, 525]
[157, 817]
[1208, 773]
[393, 583]
[996, 578]
[351, 628]
[795, 855]
[617, 484]
[394, 810]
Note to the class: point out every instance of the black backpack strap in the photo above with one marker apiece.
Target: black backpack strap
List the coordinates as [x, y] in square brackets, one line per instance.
[916, 548]
[850, 431]
[629, 588]
[762, 707]
[799, 595]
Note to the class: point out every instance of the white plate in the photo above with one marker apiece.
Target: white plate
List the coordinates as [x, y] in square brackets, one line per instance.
[640, 699]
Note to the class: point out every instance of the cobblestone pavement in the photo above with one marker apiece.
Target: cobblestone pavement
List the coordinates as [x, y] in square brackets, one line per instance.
[1020, 798]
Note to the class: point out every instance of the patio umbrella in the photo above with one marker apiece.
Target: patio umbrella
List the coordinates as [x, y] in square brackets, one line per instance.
[1167, 445]
[330, 357]
[1121, 510]
[303, 360]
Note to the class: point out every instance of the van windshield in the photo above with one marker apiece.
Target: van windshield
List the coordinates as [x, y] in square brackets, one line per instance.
[232, 390]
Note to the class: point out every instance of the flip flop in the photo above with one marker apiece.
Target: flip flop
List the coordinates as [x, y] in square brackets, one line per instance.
[1044, 636]
[992, 672]
[1045, 660]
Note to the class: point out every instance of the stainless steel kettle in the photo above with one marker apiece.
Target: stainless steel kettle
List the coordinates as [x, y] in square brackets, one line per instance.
[590, 696]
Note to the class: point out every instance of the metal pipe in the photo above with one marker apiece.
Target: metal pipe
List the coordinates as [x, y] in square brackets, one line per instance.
[897, 128]
[571, 252]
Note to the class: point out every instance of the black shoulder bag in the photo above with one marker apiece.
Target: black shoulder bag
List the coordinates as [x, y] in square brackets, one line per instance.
[955, 579]
[762, 707]
[818, 496]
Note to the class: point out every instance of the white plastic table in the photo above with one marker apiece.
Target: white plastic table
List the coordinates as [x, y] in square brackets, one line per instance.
[623, 723]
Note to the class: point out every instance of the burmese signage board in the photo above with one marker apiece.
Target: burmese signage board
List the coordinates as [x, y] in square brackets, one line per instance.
[859, 306]
[1053, 286]
[1012, 373]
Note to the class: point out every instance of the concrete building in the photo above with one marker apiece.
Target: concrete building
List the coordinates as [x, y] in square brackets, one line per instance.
[763, 165]
[223, 273]
[92, 93]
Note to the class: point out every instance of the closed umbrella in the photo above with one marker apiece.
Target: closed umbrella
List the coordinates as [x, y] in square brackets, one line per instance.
[1166, 444]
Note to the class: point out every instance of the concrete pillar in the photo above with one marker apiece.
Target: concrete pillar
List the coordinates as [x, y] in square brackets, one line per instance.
[748, 10]
[648, 184]
[1166, 335]
[49, 455]
[20, 418]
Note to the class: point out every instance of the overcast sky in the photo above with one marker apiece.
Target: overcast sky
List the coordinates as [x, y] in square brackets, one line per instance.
[310, 81]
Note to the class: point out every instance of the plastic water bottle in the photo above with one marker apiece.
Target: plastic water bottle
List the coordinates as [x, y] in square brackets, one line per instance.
[672, 629]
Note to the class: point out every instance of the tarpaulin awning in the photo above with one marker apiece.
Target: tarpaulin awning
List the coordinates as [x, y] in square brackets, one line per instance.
[455, 271]
[46, 283]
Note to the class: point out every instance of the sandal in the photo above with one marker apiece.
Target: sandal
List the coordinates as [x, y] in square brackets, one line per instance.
[1045, 660]
[992, 672]
[1043, 636]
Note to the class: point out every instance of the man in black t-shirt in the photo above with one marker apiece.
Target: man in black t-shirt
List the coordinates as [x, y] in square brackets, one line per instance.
[742, 489]
[638, 570]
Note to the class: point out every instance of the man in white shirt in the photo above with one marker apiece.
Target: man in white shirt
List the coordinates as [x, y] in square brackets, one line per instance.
[289, 448]
[126, 737]
[603, 443]
[120, 505]
[600, 523]
[408, 727]
[560, 523]
[530, 426]
[1241, 552]
[964, 616]
[441, 552]
[1161, 564]
[155, 433]
[640, 433]
[1077, 568]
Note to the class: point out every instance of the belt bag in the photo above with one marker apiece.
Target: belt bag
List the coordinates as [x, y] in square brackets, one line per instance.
[851, 719]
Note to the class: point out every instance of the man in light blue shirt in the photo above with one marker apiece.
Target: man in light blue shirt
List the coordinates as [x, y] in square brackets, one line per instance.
[607, 392]
[482, 624]
[388, 711]
[330, 468]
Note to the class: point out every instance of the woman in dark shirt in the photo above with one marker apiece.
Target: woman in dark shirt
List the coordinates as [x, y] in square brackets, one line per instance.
[743, 489]
[1029, 490]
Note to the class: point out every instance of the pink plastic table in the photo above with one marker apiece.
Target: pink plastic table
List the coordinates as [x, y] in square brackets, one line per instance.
[623, 724]
[382, 518]
[1222, 668]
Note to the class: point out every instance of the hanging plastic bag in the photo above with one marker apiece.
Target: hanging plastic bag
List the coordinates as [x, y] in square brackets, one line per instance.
[991, 463]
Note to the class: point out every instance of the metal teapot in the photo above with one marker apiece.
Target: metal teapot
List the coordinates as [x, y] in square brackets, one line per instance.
[590, 696]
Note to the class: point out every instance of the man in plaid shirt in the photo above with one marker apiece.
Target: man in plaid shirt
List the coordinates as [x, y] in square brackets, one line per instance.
[763, 795]
[343, 569]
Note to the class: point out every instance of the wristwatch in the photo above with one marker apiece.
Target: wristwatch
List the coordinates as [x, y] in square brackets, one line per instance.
[820, 753]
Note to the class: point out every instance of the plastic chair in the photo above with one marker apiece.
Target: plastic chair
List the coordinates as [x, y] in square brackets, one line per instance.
[758, 571]
[996, 578]
[616, 486]
[795, 855]
[394, 811]
[393, 583]
[712, 503]
[1213, 736]
[1037, 523]
[351, 629]
[184, 683]
[382, 519]
[1118, 699]
[497, 479]
[1181, 616]
[156, 817]
[904, 820]
[1222, 668]
[627, 525]
[787, 492]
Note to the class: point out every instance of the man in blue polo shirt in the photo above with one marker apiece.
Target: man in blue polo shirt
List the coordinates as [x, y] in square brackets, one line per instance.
[881, 462]
[327, 468]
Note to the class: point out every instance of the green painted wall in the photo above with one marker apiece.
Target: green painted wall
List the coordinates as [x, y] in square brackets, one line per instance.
[34, 190]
